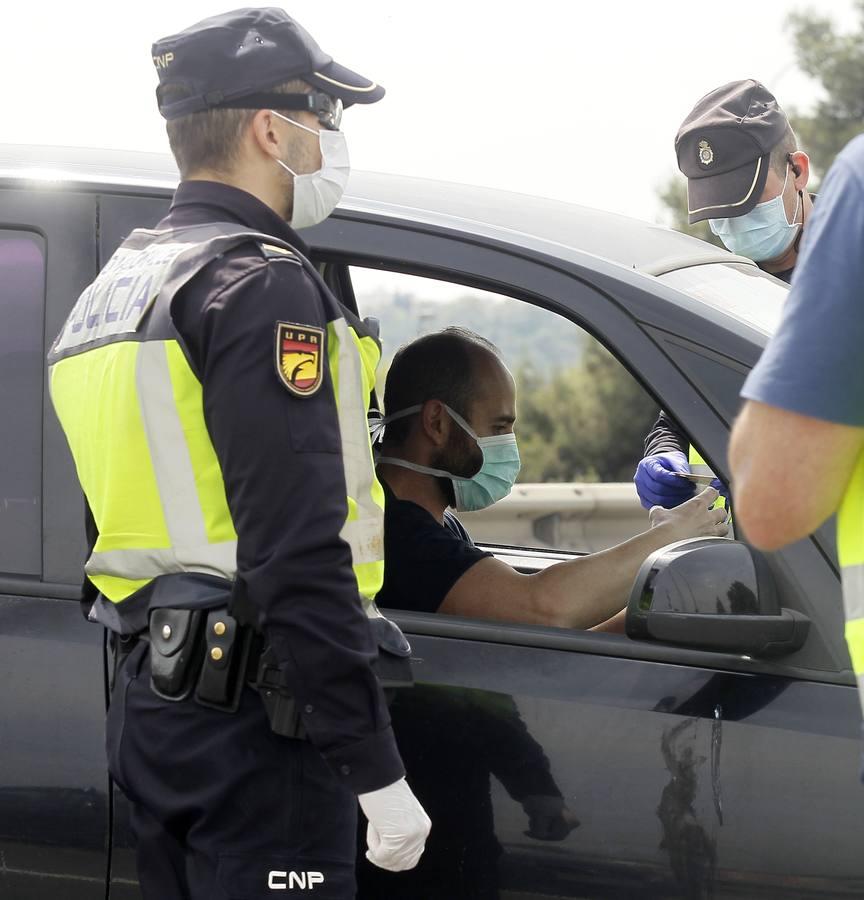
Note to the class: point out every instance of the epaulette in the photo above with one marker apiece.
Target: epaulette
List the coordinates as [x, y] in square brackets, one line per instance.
[274, 251]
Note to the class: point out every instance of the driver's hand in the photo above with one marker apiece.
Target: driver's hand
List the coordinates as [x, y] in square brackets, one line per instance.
[549, 819]
[695, 518]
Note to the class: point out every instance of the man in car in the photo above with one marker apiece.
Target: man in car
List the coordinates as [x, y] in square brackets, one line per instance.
[448, 442]
[748, 179]
[797, 449]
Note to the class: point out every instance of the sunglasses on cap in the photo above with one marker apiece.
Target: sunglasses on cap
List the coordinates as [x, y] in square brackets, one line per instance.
[328, 109]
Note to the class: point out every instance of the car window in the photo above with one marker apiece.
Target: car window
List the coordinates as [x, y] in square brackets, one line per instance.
[22, 297]
[581, 416]
[743, 292]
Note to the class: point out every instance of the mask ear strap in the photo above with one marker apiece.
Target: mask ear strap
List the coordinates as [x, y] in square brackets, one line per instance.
[796, 245]
[292, 122]
[461, 422]
[377, 420]
[416, 467]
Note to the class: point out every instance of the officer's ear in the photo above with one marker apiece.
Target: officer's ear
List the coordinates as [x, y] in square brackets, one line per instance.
[800, 164]
[265, 133]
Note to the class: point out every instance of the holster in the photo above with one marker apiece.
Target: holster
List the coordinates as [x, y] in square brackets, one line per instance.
[392, 667]
[279, 703]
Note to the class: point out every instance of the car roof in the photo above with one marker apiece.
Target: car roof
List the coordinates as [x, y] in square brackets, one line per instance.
[632, 243]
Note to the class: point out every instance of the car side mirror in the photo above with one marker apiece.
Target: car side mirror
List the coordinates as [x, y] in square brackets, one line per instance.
[712, 594]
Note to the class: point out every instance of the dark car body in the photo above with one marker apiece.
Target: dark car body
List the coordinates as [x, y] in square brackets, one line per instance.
[691, 773]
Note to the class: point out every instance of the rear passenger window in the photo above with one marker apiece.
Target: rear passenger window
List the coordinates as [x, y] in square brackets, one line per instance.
[22, 300]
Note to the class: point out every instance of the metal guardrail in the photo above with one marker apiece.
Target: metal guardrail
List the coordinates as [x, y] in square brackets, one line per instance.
[575, 516]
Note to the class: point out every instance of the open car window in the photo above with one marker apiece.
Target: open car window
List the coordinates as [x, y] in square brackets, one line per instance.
[581, 416]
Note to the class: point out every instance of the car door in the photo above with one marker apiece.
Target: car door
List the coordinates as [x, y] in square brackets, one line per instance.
[54, 811]
[120, 213]
[690, 773]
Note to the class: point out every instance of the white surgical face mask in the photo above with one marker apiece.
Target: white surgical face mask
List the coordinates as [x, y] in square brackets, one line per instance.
[762, 234]
[316, 194]
[493, 480]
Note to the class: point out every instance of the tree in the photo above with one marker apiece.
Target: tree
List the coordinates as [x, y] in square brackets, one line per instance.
[582, 424]
[836, 62]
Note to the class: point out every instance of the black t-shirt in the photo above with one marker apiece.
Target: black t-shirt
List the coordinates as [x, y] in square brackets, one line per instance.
[422, 558]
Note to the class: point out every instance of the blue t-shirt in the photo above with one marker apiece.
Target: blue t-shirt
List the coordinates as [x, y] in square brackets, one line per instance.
[814, 365]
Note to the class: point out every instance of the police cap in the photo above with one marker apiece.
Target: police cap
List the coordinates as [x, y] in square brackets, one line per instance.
[239, 53]
[723, 147]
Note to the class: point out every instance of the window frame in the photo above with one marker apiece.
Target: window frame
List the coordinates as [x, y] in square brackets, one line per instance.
[66, 222]
[30, 543]
[633, 318]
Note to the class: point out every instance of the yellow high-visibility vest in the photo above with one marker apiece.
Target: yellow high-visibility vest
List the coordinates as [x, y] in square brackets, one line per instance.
[698, 466]
[850, 547]
[131, 407]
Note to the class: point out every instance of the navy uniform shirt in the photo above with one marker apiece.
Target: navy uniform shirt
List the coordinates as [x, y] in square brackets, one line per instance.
[424, 558]
[281, 461]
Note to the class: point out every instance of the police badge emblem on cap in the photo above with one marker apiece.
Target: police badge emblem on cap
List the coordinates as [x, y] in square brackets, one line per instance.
[724, 148]
[706, 154]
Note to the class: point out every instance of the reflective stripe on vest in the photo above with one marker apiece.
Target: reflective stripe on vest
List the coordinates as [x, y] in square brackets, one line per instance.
[698, 466]
[850, 546]
[131, 407]
[167, 467]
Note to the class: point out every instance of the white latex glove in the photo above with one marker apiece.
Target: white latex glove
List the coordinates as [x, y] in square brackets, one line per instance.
[398, 826]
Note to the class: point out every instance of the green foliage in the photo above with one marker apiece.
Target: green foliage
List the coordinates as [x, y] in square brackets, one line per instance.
[836, 61]
[833, 59]
[581, 415]
[522, 332]
[584, 423]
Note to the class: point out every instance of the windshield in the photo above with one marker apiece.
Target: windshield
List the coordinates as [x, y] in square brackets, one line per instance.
[741, 291]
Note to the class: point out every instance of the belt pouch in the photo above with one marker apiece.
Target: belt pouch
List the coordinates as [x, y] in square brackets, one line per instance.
[226, 655]
[392, 666]
[175, 637]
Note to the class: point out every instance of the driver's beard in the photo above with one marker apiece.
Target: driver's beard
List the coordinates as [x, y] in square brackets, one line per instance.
[461, 457]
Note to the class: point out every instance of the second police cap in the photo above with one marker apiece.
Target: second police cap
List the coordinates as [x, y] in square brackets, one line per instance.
[724, 146]
[243, 52]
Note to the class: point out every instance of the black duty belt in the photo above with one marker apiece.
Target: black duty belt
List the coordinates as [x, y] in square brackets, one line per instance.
[206, 654]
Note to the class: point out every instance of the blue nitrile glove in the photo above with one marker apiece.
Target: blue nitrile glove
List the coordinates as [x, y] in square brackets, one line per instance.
[657, 485]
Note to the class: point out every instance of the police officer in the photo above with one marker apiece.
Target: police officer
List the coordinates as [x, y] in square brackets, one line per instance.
[747, 178]
[213, 393]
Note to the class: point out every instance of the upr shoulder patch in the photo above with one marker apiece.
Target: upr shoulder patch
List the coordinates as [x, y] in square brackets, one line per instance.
[300, 357]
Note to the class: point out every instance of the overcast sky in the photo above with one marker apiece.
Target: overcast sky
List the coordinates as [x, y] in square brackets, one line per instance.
[574, 100]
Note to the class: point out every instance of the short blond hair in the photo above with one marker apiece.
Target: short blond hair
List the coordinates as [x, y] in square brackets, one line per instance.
[211, 139]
